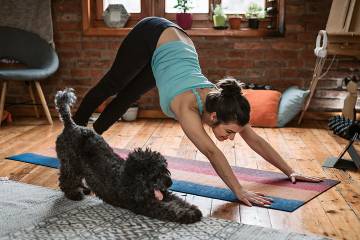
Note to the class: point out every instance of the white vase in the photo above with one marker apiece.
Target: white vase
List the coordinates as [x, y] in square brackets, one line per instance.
[130, 114]
[116, 16]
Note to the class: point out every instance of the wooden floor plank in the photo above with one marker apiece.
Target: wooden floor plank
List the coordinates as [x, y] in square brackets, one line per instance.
[225, 210]
[9, 133]
[142, 136]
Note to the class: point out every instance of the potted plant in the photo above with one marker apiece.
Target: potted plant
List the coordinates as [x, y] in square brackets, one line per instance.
[219, 17]
[235, 21]
[253, 14]
[184, 19]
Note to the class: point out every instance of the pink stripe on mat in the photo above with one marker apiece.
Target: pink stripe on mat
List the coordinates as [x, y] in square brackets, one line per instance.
[273, 190]
[247, 174]
[270, 180]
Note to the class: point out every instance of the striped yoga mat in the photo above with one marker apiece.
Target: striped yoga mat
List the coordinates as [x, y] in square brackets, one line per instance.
[199, 178]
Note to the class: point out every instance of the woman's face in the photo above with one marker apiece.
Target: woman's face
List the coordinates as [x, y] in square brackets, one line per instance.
[224, 131]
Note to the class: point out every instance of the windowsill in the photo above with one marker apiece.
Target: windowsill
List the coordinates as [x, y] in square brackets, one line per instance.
[243, 32]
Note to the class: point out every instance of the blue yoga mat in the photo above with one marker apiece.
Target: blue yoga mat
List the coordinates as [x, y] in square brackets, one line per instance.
[225, 194]
[36, 159]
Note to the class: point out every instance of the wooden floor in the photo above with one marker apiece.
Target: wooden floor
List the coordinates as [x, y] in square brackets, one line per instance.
[335, 213]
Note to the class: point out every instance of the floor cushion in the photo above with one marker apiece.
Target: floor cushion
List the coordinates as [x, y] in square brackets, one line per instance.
[264, 106]
[291, 103]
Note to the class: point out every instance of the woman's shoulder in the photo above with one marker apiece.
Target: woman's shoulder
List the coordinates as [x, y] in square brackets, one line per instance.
[173, 34]
[184, 102]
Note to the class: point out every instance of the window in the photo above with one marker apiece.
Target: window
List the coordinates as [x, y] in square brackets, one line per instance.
[239, 6]
[272, 25]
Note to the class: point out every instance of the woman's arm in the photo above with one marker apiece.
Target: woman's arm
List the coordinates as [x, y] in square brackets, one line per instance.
[191, 124]
[264, 149]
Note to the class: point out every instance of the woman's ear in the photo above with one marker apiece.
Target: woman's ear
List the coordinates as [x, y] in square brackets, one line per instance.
[213, 117]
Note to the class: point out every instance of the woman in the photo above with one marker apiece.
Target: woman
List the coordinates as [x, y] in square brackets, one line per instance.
[159, 53]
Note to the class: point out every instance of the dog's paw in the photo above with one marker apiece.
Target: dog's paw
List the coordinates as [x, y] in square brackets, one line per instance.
[192, 215]
[75, 195]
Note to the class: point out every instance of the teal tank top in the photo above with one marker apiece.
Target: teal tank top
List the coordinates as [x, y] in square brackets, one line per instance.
[176, 69]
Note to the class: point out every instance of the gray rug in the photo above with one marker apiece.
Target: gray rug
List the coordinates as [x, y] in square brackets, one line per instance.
[32, 212]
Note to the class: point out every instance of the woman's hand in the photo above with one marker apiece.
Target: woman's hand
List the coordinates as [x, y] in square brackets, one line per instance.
[249, 198]
[297, 176]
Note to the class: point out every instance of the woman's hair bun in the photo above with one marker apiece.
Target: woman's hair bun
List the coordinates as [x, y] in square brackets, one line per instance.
[229, 87]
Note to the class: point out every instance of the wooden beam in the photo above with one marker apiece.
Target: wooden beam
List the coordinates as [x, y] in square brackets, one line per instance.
[86, 15]
[338, 49]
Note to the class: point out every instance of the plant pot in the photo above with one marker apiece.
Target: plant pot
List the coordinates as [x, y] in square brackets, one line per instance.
[130, 114]
[235, 22]
[101, 108]
[6, 117]
[184, 20]
[219, 21]
[253, 23]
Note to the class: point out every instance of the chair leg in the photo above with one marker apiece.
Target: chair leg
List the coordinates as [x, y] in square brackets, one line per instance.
[43, 102]
[2, 99]
[31, 92]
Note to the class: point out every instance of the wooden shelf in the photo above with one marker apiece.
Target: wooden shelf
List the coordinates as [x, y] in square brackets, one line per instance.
[245, 32]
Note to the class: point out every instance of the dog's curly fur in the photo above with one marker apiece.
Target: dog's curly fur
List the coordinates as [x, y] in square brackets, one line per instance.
[126, 183]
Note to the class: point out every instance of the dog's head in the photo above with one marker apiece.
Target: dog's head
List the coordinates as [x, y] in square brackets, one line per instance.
[147, 171]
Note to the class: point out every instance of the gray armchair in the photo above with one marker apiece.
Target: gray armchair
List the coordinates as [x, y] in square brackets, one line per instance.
[36, 54]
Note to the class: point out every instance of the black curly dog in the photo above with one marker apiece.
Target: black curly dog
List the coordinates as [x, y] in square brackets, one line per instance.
[130, 183]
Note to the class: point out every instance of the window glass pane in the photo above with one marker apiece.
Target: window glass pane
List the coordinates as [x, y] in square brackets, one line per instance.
[198, 6]
[132, 6]
[239, 6]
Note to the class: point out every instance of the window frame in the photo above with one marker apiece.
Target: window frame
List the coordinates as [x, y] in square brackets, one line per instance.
[93, 24]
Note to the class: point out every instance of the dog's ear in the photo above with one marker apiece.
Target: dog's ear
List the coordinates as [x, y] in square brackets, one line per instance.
[139, 188]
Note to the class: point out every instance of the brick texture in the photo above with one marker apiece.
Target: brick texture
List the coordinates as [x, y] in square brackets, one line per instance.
[279, 62]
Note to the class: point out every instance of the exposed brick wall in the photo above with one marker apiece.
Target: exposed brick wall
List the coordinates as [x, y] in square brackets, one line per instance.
[280, 62]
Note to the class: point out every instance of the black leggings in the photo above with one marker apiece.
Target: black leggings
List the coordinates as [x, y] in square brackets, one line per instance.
[129, 77]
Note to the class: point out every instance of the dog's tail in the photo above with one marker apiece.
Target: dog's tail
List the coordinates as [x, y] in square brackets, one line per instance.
[63, 101]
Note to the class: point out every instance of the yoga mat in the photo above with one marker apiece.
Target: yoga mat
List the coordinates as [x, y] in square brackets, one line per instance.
[199, 178]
